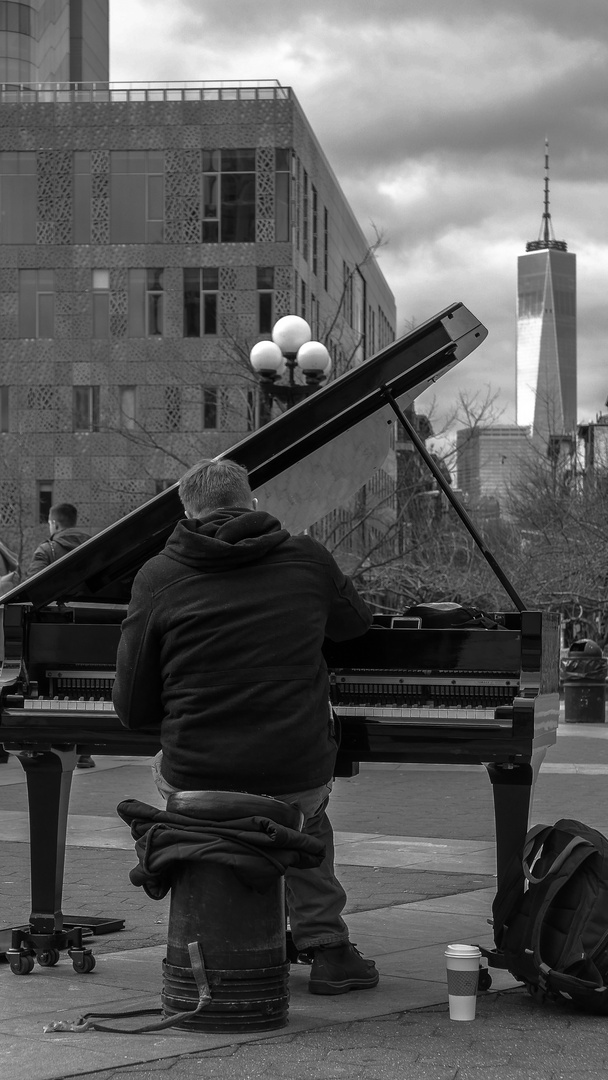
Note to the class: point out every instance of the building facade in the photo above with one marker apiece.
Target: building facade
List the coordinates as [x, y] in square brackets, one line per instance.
[546, 392]
[54, 41]
[489, 461]
[593, 441]
[149, 236]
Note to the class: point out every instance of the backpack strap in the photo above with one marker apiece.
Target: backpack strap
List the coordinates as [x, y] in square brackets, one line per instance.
[580, 851]
[511, 890]
[559, 861]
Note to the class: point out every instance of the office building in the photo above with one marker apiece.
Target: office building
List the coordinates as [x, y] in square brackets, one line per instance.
[489, 461]
[546, 333]
[149, 236]
[593, 441]
[54, 41]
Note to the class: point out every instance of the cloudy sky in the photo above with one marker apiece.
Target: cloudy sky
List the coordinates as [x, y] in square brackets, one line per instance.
[433, 116]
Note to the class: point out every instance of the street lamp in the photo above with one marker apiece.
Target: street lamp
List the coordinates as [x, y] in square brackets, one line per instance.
[290, 350]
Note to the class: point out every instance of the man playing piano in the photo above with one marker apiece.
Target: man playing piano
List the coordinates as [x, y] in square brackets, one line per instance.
[221, 648]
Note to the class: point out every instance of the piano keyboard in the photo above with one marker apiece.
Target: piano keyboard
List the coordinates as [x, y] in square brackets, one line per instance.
[387, 714]
[55, 705]
[426, 714]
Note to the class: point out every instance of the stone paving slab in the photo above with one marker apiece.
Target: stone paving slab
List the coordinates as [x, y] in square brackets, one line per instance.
[48, 995]
[510, 1039]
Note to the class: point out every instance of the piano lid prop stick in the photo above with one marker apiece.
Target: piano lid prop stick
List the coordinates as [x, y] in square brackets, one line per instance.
[458, 507]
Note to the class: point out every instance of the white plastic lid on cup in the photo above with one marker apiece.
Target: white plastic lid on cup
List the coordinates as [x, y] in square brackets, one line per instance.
[463, 951]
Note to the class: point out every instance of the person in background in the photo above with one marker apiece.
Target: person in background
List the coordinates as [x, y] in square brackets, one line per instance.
[64, 536]
[222, 649]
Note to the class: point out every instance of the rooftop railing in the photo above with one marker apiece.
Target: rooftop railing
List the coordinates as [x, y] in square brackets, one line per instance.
[218, 90]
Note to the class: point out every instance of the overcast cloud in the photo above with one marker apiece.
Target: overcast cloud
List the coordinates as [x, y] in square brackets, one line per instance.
[433, 116]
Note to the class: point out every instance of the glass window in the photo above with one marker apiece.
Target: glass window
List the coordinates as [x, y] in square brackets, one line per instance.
[238, 208]
[45, 500]
[265, 283]
[210, 289]
[238, 161]
[136, 196]
[154, 302]
[228, 196]
[25, 20]
[127, 402]
[325, 249]
[101, 303]
[305, 211]
[136, 298]
[18, 197]
[192, 302]
[315, 231]
[145, 289]
[201, 291]
[12, 18]
[210, 407]
[36, 303]
[85, 408]
[4, 408]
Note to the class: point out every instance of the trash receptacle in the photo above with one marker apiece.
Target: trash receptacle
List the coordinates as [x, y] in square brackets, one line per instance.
[584, 679]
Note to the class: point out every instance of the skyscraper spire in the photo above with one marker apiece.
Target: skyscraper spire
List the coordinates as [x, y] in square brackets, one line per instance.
[547, 226]
[546, 236]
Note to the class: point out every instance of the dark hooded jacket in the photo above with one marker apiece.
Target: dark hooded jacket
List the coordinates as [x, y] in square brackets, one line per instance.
[221, 647]
[58, 545]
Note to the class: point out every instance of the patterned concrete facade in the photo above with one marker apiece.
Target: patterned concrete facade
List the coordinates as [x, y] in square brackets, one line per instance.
[103, 419]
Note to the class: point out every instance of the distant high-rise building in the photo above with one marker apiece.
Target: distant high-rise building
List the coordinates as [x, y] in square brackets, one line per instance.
[54, 41]
[489, 460]
[546, 332]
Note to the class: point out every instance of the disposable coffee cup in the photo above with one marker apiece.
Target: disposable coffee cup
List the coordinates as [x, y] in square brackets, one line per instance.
[462, 962]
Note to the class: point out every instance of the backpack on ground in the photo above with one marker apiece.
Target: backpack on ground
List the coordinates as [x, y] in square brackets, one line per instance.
[551, 915]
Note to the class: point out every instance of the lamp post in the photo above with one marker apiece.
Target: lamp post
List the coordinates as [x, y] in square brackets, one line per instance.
[291, 349]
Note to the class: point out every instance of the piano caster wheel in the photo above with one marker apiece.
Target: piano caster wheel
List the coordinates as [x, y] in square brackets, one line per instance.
[20, 963]
[83, 960]
[48, 958]
[485, 979]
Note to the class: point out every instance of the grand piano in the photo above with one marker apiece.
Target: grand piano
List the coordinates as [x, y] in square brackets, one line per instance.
[403, 692]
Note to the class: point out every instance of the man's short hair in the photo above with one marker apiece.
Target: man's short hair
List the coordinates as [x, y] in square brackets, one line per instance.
[211, 483]
[64, 514]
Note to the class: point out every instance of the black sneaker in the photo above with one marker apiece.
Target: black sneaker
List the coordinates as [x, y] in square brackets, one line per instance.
[336, 969]
[85, 761]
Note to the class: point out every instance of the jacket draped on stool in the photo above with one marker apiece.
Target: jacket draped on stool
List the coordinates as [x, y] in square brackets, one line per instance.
[254, 847]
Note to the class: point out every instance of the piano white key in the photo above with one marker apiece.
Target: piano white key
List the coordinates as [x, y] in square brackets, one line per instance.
[68, 705]
[426, 713]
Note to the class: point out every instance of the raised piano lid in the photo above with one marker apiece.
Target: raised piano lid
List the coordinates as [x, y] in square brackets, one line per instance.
[301, 465]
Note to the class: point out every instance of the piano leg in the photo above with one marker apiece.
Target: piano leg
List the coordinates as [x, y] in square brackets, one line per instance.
[48, 776]
[49, 780]
[513, 789]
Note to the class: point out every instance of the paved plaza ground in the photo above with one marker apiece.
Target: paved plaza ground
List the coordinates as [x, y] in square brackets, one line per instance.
[415, 851]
